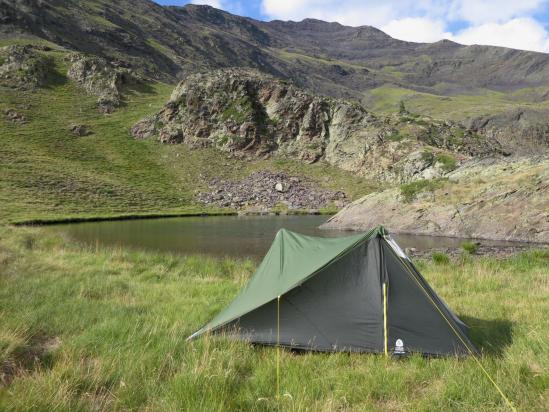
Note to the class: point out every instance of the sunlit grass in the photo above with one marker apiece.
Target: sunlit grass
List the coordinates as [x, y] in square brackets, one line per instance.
[456, 107]
[93, 328]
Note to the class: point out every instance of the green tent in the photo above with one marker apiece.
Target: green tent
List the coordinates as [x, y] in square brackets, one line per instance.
[356, 293]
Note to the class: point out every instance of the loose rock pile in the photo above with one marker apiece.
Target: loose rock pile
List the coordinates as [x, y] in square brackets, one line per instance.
[80, 130]
[15, 117]
[268, 190]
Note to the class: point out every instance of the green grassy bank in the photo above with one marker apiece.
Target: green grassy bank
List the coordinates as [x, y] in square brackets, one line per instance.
[47, 173]
[94, 329]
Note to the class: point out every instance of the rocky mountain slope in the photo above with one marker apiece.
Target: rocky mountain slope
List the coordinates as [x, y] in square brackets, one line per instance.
[167, 42]
[250, 114]
[446, 80]
[487, 199]
[306, 114]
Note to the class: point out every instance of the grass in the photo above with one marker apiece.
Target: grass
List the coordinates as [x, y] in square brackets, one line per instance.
[469, 247]
[49, 174]
[410, 191]
[440, 258]
[386, 99]
[447, 161]
[104, 328]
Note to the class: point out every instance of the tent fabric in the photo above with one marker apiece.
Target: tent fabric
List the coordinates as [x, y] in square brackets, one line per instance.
[326, 294]
[334, 310]
[291, 259]
[413, 318]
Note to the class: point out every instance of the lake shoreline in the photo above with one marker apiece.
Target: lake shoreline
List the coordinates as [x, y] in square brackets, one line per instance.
[488, 250]
[148, 216]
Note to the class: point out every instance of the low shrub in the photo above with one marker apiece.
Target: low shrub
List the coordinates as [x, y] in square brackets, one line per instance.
[447, 161]
[440, 258]
[427, 156]
[395, 136]
[409, 191]
[470, 247]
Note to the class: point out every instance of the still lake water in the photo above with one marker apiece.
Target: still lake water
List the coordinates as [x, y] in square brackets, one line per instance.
[237, 236]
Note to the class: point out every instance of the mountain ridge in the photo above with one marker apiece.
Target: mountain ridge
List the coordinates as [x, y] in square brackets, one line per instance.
[182, 39]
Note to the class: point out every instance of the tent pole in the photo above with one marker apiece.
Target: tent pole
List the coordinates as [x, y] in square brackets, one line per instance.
[278, 347]
[385, 337]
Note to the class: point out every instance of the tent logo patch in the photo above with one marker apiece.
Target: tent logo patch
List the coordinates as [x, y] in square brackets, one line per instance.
[399, 346]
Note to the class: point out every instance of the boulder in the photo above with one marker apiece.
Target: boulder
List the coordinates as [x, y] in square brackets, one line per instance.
[23, 67]
[14, 116]
[80, 130]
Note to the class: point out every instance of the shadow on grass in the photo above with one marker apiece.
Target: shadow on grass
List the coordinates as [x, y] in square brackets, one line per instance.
[135, 87]
[37, 353]
[491, 337]
[132, 89]
[55, 77]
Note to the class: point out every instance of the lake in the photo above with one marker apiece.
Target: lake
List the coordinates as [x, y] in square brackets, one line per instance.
[237, 236]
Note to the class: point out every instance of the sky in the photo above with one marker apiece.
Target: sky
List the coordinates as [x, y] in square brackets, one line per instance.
[520, 24]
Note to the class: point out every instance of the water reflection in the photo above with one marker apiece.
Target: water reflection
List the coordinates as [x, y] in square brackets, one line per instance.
[239, 236]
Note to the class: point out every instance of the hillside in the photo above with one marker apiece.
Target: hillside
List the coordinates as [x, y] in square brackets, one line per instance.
[310, 114]
[440, 79]
[50, 171]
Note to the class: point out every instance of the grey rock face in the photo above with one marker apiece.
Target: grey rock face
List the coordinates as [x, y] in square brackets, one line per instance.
[100, 78]
[490, 199]
[250, 114]
[23, 67]
[522, 131]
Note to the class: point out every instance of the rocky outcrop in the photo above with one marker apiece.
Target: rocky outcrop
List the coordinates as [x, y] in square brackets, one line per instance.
[101, 78]
[14, 116]
[80, 130]
[517, 131]
[267, 190]
[23, 67]
[250, 114]
[491, 199]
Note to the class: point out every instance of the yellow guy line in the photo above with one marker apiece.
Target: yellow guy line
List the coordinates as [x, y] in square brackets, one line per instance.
[509, 403]
[386, 348]
[278, 347]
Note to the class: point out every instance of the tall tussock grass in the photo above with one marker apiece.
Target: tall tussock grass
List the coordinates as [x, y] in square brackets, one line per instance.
[94, 328]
